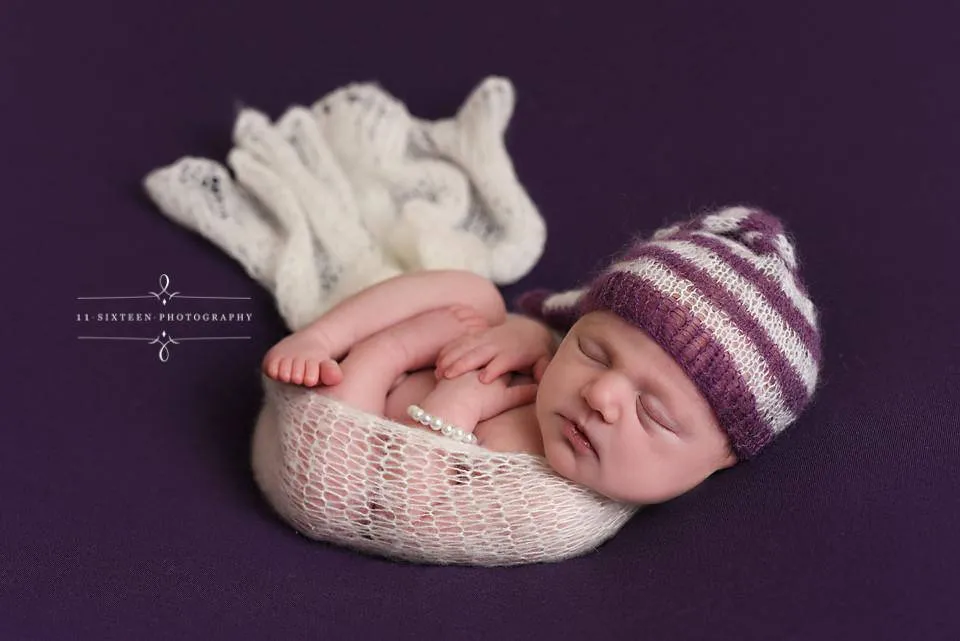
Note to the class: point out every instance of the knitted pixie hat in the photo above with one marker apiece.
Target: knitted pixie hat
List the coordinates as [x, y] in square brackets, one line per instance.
[721, 294]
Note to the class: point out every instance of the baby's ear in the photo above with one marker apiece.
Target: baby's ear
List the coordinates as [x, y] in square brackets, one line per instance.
[540, 367]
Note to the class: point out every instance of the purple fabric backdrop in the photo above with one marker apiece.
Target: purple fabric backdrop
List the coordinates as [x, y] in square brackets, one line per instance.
[128, 509]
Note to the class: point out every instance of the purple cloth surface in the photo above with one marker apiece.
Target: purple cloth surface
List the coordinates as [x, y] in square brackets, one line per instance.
[128, 509]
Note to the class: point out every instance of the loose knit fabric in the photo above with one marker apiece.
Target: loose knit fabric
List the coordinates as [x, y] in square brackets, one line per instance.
[358, 480]
[334, 198]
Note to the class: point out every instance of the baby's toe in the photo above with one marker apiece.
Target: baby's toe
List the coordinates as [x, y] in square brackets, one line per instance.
[284, 369]
[468, 316]
[296, 372]
[311, 373]
[270, 367]
[330, 373]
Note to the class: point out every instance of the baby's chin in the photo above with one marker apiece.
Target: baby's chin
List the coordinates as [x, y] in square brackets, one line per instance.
[561, 458]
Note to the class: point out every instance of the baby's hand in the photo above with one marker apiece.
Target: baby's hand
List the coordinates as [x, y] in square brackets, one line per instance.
[465, 400]
[515, 346]
[302, 358]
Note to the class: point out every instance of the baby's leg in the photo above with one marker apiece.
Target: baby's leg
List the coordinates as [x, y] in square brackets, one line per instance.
[373, 365]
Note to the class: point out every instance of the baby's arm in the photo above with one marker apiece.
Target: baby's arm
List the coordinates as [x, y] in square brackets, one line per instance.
[521, 344]
[465, 394]
[465, 401]
[307, 356]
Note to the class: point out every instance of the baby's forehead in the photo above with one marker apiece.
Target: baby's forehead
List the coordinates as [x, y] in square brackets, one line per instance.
[628, 341]
[611, 327]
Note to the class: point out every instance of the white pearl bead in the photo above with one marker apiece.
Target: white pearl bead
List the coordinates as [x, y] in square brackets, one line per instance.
[438, 425]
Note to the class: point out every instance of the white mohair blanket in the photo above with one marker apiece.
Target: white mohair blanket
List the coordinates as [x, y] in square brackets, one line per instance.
[334, 198]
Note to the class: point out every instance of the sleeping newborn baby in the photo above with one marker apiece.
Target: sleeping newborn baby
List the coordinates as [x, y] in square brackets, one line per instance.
[686, 355]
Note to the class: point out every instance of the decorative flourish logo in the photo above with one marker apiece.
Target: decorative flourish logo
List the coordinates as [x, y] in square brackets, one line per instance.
[164, 296]
[164, 281]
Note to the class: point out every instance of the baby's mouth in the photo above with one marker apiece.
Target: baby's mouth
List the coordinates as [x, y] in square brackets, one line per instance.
[577, 437]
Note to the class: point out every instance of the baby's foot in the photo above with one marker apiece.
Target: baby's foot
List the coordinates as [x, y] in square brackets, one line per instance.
[470, 319]
[302, 358]
[364, 125]
[417, 341]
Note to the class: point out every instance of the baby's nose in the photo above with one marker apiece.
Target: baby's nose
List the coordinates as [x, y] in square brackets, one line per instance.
[604, 395]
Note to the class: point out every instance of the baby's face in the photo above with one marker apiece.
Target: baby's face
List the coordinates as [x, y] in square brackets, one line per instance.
[650, 433]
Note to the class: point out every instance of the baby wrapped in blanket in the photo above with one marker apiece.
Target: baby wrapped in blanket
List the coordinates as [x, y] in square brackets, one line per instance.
[689, 353]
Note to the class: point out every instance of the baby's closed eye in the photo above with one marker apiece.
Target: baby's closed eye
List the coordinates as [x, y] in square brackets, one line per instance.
[652, 407]
[591, 352]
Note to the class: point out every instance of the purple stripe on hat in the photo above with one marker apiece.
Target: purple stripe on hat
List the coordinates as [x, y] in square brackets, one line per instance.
[770, 289]
[769, 226]
[763, 222]
[560, 318]
[682, 335]
[531, 302]
[791, 385]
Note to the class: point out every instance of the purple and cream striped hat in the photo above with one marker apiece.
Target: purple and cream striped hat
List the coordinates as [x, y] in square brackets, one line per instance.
[721, 294]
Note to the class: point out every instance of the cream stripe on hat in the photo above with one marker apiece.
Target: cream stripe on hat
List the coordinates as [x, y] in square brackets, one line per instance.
[777, 330]
[761, 382]
[770, 265]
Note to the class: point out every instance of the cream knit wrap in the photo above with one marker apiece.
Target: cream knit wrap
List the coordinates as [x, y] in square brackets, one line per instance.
[352, 478]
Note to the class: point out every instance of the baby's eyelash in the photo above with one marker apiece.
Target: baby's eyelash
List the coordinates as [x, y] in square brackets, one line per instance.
[643, 407]
[585, 353]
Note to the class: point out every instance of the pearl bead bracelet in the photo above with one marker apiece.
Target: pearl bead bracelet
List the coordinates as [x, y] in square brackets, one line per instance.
[437, 424]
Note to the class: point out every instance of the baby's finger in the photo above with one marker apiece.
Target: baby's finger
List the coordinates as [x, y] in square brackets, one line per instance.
[499, 366]
[473, 360]
[455, 350]
[540, 367]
